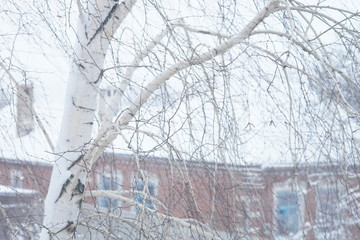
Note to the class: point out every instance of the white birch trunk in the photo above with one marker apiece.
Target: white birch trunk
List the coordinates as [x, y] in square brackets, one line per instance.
[96, 26]
[74, 150]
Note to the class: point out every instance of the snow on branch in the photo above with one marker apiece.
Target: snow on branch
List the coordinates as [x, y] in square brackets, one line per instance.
[201, 31]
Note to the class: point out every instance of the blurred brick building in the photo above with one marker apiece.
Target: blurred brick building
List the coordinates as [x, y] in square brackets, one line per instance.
[312, 201]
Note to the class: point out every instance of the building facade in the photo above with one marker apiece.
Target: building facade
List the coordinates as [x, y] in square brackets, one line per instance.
[314, 201]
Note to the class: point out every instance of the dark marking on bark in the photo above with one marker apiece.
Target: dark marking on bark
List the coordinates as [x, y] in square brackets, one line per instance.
[63, 189]
[90, 123]
[80, 203]
[204, 32]
[81, 107]
[99, 77]
[102, 25]
[75, 162]
[67, 227]
[71, 228]
[82, 66]
[79, 189]
[86, 34]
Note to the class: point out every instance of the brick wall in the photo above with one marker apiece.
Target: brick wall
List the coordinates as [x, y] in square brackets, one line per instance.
[243, 201]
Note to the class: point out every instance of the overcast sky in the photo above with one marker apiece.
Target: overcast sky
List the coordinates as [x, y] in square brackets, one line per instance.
[35, 56]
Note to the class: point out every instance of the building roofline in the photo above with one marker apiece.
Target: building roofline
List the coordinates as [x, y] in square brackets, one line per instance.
[310, 166]
[25, 162]
[154, 160]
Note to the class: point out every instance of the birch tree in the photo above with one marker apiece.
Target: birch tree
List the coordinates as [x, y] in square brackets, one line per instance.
[202, 81]
[97, 25]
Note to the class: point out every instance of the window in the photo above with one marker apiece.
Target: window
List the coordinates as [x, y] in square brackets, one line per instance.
[287, 213]
[108, 182]
[16, 179]
[327, 204]
[145, 193]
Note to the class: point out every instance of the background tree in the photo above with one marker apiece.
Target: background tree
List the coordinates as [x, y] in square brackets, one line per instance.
[225, 82]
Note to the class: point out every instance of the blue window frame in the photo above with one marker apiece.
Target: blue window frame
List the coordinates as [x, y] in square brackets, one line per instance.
[287, 213]
[145, 193]
[109, 183]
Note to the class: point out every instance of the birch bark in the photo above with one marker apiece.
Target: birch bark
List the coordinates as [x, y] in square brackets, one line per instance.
[76, 150]
[97, 23]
